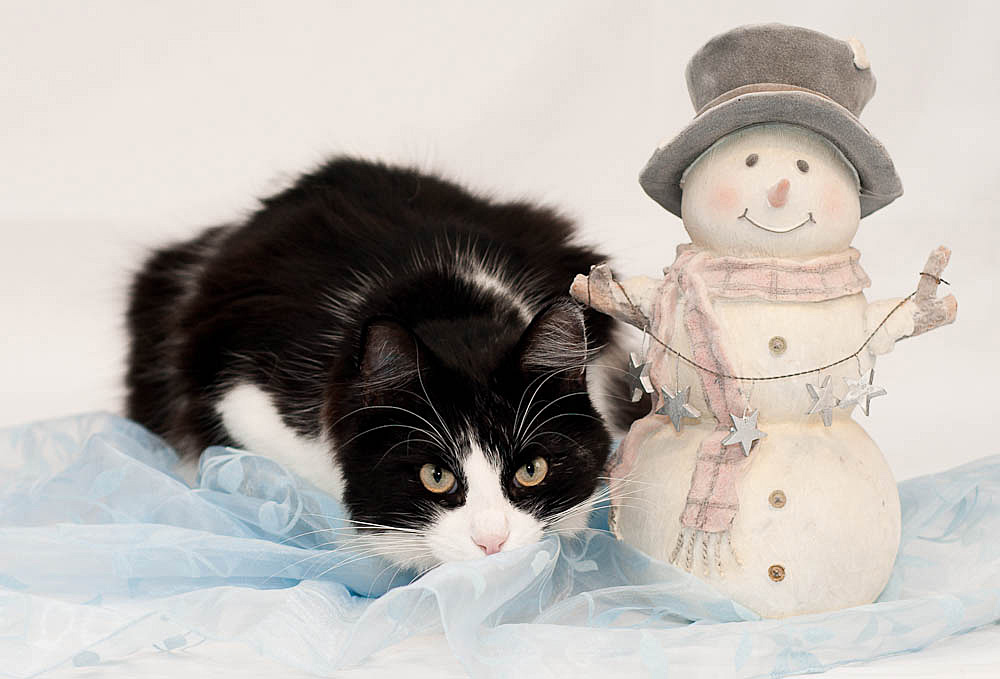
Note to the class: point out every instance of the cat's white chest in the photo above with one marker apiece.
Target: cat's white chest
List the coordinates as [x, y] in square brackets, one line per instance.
[249, 415]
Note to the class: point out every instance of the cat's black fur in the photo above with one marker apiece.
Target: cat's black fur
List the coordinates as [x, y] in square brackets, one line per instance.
[350, 298]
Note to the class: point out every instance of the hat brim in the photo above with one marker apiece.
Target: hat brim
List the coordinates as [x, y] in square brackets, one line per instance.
[880, 185]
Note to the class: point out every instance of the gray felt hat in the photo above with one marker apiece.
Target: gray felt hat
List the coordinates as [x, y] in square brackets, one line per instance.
[776, 73]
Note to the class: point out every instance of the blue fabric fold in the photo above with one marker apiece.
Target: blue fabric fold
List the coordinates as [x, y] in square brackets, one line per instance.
[105, 551]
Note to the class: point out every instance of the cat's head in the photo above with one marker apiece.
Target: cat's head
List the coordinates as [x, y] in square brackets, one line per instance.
[444, 461]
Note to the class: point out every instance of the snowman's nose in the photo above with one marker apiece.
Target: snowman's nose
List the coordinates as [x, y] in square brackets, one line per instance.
[777, 195]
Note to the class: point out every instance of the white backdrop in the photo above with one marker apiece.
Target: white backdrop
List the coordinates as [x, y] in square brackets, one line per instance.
[126, 124]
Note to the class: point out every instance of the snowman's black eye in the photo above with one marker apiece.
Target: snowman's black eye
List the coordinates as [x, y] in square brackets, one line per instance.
[802, 165]
[751, 160]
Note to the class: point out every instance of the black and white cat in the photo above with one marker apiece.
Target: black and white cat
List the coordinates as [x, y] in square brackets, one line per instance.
[402, 344]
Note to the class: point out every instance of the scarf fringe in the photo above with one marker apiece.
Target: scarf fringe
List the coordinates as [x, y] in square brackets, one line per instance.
[698, 550]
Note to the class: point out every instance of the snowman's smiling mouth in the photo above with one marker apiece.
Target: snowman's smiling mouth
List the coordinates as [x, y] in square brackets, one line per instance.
[805, 221]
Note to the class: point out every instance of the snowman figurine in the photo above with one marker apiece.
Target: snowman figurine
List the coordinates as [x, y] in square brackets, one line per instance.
[750, 471]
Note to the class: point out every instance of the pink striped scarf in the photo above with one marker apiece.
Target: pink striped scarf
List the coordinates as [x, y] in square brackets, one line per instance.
[694, 280]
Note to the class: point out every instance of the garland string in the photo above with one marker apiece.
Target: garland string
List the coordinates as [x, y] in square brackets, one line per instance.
[695, 364]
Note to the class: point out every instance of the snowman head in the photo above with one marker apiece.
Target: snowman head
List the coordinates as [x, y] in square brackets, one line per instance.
[771, 190]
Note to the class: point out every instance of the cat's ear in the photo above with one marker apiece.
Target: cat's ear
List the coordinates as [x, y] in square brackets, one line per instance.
[556, 342]
[390, 355]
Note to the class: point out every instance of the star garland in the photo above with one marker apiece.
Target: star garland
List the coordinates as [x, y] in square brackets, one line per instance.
[744, 430]
[823, 401]
[768, 378]
[861, 392]
[676, 406]
[638, 376]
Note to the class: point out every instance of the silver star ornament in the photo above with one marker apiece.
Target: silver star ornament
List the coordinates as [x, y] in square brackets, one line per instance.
[638, 377]
[823, 401]
[676, 406]
[744, 432]
[861, 391]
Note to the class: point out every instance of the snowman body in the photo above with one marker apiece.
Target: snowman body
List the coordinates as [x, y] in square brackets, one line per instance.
[818, 521]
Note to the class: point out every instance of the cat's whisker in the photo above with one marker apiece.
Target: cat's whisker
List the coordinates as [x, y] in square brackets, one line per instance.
[369, 554]
[379, 575]
[385, 538]
[370, 545]
[384, 541]
[527, 407]
[433, 433]
[388, 537]
[444, 426]
[318, 553]
[518, 431]
[297, 536]
[347, 530]
[443, 434]
[379, 550]
[588, 392]
[421, 573]
[382, 426]
[351, 541]
[554, 525]
[544, 378]
[573, 533]
[366, 524]
[560, 415]
[598, 500]
[425, 553]
[420, 397]
[396, 445]
[573, 510]
[532, 442]
[625, 479]
[603, 502]
[605, 366]
[547, 406]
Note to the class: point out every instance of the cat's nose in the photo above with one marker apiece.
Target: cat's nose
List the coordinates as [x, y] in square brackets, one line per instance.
[777, 195]
[491, 544]
[490, 531]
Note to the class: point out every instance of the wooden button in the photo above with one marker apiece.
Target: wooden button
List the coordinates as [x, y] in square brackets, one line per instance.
[776, 572]
[777, 499]
[777, 345]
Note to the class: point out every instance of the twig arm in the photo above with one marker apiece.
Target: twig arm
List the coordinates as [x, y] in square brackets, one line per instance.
[625, 300]
[921, 312]
[933, 312]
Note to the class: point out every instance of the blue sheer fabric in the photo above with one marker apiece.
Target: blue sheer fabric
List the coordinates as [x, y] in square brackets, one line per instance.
[105, 551]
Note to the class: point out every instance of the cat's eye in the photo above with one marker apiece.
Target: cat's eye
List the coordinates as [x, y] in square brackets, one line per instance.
[437, 479]
[802, 165]
[533, 473]
[751, 160]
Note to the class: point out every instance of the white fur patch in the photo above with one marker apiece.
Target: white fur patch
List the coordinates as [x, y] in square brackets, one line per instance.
[250, 417]
[486, 517]
[493, 285]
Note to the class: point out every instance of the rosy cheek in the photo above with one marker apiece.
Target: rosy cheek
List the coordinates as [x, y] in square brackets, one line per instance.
[832, 199]
[726, 198]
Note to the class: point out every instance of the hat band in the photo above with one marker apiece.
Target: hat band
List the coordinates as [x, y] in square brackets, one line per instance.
[763, 87]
